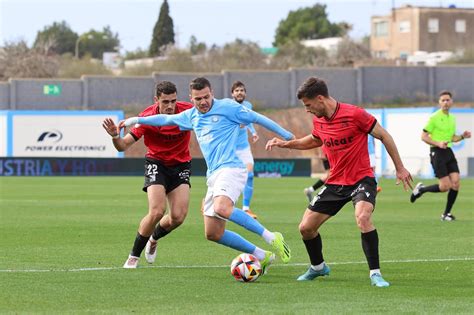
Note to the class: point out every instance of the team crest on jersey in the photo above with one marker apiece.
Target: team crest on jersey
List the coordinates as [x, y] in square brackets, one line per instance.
[214, 119]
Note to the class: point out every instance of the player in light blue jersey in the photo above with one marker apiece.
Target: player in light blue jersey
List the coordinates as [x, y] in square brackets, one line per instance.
[216, 124]
[244, 151]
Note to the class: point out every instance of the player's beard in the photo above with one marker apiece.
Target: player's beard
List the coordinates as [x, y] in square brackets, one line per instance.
[239, 98]
[204, 108]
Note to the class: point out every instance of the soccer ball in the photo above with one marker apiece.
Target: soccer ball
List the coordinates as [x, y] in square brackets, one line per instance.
[245, 268]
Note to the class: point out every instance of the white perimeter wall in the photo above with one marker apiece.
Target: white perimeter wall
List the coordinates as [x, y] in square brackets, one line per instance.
[406, 125]
[56, 134]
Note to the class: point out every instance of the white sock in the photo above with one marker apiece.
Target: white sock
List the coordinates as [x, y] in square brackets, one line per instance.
[245, 208]
[310, 189]
[268, 236]
[259, 253]
[318, 267]
[375, 271]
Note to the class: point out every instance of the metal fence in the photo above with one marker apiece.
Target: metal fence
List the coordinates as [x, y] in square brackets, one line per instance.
[266, 89]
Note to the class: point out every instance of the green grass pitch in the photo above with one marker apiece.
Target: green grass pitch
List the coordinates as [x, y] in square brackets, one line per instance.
[63, 242]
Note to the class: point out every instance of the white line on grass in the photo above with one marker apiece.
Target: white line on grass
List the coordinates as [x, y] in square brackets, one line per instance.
[225, 266]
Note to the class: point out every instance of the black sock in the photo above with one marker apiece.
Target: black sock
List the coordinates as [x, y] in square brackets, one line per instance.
[370, 245]
[432, 188]
[318, 184]
[139, 245]
[159, 232]
[452, 194]
[314, 247]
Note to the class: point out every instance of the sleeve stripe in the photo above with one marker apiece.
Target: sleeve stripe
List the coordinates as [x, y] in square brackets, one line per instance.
[134, 136]
[373, 125]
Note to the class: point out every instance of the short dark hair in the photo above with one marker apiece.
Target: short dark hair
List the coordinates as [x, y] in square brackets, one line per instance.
[313, 87]
[445, 92]
[165, 87]
[237, 84]
[199, 84]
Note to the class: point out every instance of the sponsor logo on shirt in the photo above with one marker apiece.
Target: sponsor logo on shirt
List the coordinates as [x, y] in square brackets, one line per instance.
[330, 142]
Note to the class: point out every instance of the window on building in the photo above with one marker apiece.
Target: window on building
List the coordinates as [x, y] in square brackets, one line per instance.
[404, 26]
[381, 54]
[381, 29]
[433, 25]
[460, 26]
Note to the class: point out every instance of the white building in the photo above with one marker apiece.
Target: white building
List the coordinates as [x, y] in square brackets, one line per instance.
[330, 44]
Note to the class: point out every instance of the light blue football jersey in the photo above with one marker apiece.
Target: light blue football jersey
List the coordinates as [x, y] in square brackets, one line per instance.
[243, 138]
[217, 130]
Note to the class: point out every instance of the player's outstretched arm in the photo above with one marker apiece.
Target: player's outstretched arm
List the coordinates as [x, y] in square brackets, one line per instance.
[275, 142]
[403, 175]
[109, 125]
[250, 116]
[128, 122]
[180, 120]
[121, 144]
[305, 143]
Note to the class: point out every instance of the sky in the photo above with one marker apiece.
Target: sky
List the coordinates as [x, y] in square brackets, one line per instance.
[211, 21]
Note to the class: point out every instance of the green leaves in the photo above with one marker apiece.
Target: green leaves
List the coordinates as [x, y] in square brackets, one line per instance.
[163, 32]
[307, 23]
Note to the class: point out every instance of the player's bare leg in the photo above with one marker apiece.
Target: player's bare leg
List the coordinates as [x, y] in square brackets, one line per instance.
[178, 204]
[156, 208]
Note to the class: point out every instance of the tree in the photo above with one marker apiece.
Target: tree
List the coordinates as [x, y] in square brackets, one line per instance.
[241, 54]
[163, 33]
[350, 52]
[59, 36]
[176, 60]
[71, 67]
[308, 23]
[238, 54]
[294, 54]
[196, 47]
[96, 43]
[138, 53]
[17, 60]
[465, 57]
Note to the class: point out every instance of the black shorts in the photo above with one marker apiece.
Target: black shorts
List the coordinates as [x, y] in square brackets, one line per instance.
[443, 161]
[332, 198]
[326, 165]
[170, 177]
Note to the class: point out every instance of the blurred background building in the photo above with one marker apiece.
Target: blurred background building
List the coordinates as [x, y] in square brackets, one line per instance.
[410, 29]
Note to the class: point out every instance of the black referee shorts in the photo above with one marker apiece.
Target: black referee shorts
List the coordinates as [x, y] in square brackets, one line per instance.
[443, 161]
[332, 198]
[170, 177]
